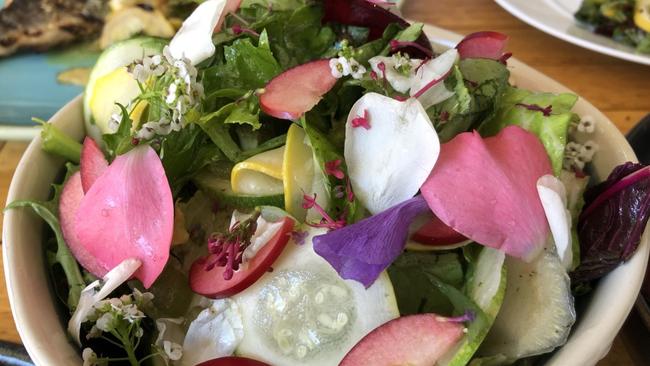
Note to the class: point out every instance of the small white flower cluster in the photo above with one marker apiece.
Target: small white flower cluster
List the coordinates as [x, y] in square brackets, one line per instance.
[342, 66]
[402, 63]
[173, 350]
[587, 124]
[150, 67]
[90, 358]
[182, 92]
[109, 313]
[577, 155]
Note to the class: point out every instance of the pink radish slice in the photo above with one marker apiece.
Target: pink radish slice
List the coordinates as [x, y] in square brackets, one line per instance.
[489, 45]
[363, 13]
[129, 213]
[436, 233]
[417, 340]
[485, 189]
[93, 163]
[69, 202]
[297, 90]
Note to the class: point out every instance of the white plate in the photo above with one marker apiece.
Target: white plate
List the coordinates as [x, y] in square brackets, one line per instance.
[555, 17]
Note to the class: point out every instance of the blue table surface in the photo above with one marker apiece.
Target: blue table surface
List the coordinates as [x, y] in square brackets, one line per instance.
[28, 85]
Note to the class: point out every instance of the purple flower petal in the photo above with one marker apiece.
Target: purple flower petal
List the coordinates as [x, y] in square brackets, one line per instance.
[363, 250]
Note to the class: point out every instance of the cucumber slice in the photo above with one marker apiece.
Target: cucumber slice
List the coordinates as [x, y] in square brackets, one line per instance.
[537, 312]
[220, 189]
[114, 57]
[302, 312]
[486, 288]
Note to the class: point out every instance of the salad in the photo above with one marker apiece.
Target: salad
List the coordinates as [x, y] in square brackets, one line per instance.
[626, 21]
[292, 182]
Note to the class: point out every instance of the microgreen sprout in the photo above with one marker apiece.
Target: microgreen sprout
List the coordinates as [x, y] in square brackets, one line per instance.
[228, 249]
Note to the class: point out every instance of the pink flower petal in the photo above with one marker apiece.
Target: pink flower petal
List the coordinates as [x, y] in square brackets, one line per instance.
[485, 189]
[129, 213]
[69, 202]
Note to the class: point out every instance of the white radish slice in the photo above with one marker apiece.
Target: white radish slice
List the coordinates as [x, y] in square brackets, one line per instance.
[553, 196]
[388, 163]
[427, 84]
[398, 80]
[194, 39]
[537, 311]
[97, 291]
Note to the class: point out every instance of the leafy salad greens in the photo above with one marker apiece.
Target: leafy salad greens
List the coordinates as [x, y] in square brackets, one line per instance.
[292, 182]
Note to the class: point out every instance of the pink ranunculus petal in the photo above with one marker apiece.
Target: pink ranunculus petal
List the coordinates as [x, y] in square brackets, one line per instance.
[486, 190]
[129, 213]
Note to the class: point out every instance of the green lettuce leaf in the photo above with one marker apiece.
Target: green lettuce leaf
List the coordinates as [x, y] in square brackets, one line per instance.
[244, 66]
[49, 212]
[412, 286]
[479, 85]
[295, 36]
[551, 130]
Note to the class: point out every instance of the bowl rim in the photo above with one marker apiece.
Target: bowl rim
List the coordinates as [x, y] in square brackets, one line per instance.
[573, 352]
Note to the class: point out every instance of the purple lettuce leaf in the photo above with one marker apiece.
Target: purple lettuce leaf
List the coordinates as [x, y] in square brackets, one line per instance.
[363, 250]
[613, 219]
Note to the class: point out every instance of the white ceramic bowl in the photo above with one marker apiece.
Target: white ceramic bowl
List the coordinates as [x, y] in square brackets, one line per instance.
[43, 332]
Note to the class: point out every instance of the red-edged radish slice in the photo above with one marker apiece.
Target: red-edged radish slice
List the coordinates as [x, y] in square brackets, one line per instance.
[416, 340]
[436, 233]
[194, 39]
[498, 205]
[69, 202]
[128, 213]
[232, 361]
[211, 283]
[297, 90]
[93, 163]
[490, 45]
[363, 13]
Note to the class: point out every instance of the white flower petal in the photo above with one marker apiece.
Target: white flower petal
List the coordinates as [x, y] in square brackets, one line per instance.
[215, 332]
[552, 194]
[95, 292]
[194, 39]
[389, 162]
